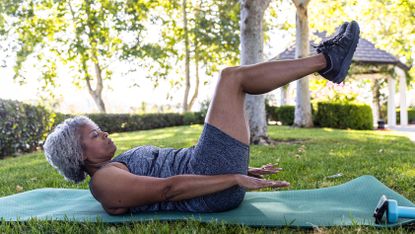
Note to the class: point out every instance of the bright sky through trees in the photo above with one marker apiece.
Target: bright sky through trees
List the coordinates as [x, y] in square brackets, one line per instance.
[127, 92]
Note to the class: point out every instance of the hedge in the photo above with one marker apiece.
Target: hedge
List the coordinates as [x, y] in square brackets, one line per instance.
[328, 115]
[23, 127]
[411, 116]
[344, 116]
[133, 122]
[285, 114]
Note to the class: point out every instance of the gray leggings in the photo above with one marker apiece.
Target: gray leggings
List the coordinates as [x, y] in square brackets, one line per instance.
[218, 153]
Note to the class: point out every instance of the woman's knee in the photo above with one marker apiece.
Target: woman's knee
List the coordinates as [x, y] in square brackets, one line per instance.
[229, 75]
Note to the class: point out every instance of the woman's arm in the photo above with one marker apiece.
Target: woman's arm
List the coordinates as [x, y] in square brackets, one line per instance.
[118, 189]
[189, 186]
[182, 187]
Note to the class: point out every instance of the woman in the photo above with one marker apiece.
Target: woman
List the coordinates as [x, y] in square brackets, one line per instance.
[208, 177]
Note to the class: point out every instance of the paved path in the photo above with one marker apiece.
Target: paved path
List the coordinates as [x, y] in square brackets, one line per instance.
[408, 131]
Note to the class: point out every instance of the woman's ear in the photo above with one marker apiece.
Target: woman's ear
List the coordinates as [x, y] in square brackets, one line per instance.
[84, 156]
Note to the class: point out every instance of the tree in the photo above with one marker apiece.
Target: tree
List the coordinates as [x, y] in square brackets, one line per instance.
[388, 24]
[202, 34]
[187, 60]
[84, 35]
[284, 95]
[252, 40]
[377, 96]
[302, 116]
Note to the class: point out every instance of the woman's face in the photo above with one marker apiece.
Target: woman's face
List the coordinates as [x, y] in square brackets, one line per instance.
[97, 146]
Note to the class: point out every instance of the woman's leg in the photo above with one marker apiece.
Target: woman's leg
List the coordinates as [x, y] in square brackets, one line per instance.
[226, 110]
[216, 152]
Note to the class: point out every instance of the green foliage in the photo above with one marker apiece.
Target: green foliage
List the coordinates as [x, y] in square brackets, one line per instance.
[344, 116]
[213, 31]
[131, 122]
[85, 36]
[386, 23]
[285, 114]
[204, 107]
[270, 112]
[89, 36]
[22, 126]
[411, 116]
[193, 118]
[211, 38]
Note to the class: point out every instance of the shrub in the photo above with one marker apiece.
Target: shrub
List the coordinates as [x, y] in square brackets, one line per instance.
[133, 122]
[411, 116]
[204, 107]
[344, 116]
[271, 112]
[285, 114]
[193, 118]
[22, 126]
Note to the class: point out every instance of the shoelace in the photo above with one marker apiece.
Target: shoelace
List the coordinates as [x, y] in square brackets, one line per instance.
[329, 42]
[335, 41]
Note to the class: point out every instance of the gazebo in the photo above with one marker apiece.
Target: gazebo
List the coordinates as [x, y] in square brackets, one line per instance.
[370, 60]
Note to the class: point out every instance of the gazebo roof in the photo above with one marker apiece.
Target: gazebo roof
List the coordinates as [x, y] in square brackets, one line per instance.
[366, 53]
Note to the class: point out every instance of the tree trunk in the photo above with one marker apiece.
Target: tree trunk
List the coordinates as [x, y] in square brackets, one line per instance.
[303, 116]
[196, 92]
[375, 86]
[284, 94]
[97, 93]
[252, 39]
[99, 102]
[187, 60]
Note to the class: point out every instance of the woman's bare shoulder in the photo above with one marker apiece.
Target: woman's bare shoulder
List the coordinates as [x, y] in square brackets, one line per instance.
[118, 165]
[107, 170]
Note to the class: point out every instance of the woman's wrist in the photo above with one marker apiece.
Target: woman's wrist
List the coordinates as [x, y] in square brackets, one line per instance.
[236, 178]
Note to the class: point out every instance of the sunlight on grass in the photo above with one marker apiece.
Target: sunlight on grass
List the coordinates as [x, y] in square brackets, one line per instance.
[308, 157]
[124, 138]
[406, 169]
[409, 172]
[161, 136]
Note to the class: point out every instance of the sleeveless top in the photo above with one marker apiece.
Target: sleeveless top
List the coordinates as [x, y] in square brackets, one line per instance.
[158, 162]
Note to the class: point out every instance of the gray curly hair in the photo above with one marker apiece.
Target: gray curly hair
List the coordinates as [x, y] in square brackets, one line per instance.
[63, 148]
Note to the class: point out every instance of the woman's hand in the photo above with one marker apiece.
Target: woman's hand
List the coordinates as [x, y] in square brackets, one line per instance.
[252, 183]
[268, 169]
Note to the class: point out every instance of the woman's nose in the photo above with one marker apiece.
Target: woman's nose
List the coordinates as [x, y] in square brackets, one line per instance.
[105, 134]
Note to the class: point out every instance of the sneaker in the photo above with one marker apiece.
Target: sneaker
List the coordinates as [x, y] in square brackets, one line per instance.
[339, 53]
[339, 33]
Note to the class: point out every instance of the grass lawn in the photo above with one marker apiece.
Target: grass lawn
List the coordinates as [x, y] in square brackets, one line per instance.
[308, 156]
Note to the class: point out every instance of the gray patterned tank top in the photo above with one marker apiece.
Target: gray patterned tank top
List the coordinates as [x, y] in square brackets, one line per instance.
[158, 162]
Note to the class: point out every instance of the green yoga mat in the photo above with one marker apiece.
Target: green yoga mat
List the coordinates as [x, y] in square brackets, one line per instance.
[346, 204]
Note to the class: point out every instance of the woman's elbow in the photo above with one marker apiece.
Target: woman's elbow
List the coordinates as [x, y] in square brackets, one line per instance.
[116, 211]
